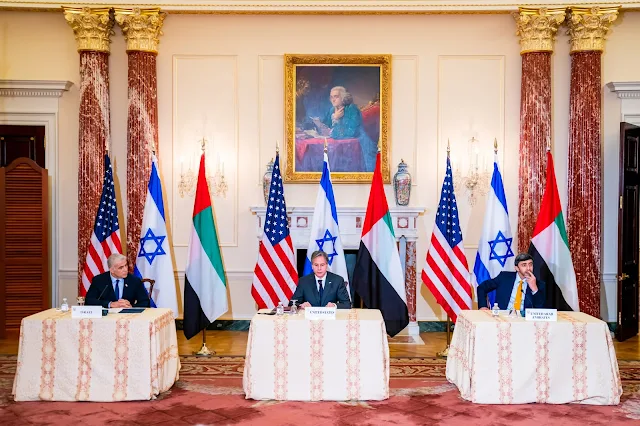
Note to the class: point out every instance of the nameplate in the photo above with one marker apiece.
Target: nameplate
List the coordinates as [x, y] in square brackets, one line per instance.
[86, 312]
[320, 313]
[541, 314]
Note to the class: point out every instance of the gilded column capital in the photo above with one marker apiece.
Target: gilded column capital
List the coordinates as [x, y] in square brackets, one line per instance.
[92, 27]
[141, 28]
[537, 28]
[588, 27]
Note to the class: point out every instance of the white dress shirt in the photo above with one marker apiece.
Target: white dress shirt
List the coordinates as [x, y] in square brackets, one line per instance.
[514, 292]
[324, 281]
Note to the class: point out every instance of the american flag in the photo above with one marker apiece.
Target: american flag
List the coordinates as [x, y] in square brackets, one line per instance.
[105, 238]
[275, 277]
[446, 273]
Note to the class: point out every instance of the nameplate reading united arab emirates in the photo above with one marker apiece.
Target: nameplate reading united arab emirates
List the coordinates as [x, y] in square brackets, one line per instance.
[541, 314]
[320, 313]
[86, 312]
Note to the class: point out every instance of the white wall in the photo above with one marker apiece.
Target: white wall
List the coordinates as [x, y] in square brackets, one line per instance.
[454, 76]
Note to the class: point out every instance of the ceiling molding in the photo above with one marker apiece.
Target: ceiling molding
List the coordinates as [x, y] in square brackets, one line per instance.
[319, 7]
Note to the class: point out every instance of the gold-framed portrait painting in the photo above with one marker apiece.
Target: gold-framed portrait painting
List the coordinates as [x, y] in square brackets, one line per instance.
[343, 101]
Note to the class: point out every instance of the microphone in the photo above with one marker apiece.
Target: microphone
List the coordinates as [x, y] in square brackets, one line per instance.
[103, 290]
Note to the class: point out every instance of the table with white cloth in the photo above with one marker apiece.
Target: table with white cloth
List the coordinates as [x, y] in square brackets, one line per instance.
[507, 360]
[293, 358]
[119, 357]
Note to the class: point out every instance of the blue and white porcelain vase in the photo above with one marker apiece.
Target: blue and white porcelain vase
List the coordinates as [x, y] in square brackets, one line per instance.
[402, 184]
[266, 181]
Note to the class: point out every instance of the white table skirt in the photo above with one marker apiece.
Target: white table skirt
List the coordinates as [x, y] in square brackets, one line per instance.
[513, 361]
[119, 357]
[291, 358]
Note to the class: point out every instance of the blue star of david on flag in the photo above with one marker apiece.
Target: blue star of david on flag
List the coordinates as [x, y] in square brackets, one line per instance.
[500, 239]
[157, 241]
[328, 238]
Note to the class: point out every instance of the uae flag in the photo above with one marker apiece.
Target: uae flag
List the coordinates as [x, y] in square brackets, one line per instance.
[377, 276]
[550, 249]
[205, 286]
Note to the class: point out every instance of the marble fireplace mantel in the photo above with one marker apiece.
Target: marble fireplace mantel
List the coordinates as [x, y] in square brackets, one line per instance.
[405, 227]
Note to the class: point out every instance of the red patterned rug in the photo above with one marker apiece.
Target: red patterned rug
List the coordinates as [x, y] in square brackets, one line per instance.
[209, 392]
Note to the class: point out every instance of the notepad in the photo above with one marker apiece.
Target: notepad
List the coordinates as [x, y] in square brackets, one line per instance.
[132, 310]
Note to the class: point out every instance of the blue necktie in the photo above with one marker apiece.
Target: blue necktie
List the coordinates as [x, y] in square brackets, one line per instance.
[320, 290]
[117, 290]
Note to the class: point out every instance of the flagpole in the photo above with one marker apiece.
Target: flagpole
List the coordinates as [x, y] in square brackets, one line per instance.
[445, 352]
[204, 350]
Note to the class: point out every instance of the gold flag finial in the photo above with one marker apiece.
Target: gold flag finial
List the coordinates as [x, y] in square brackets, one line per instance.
[495, 145]
[325, 145]
[277, 147]
[448, 147]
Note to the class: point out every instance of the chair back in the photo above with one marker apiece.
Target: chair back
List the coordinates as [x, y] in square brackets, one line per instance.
[151, 284]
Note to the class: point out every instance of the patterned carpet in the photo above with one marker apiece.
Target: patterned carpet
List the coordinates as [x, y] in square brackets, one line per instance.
[209, 392]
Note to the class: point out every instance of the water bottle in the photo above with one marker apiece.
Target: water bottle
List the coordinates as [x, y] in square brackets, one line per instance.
[64, 307]
[495, 311]
[280, 309]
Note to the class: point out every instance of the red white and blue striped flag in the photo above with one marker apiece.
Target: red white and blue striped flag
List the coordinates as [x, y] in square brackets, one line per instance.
[105, 239]
[446, 273]
[275, 277]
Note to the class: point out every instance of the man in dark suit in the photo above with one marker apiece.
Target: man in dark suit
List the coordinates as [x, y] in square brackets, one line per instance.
[321, 288]
[117, 288]
[517, 290]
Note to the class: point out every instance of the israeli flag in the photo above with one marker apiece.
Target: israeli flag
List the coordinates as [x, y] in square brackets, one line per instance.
[154, 257]
[325, 234]
[494, 248]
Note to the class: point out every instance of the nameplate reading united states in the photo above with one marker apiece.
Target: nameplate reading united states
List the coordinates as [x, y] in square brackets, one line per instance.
[86, 312]
[320, 313]
[532, 314]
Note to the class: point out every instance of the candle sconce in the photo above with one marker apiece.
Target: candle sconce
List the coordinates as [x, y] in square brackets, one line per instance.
[476, 181]
[189, 180]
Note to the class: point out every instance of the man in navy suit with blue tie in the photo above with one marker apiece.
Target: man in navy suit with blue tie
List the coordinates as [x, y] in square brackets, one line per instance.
[321, 288]
[517, 290]
[116, 288]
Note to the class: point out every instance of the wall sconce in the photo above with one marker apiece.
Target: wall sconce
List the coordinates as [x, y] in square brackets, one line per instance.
[476, 181]
[188, 180]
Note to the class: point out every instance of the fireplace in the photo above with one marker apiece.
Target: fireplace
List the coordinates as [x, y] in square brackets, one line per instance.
[351, 219]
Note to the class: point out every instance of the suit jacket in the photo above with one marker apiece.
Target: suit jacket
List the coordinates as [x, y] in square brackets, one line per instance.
[503, 285]
[334, 291]
[101, 291]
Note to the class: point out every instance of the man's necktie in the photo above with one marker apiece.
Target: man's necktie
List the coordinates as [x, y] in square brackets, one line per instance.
[320, 290]
[518, 303]
[117, 290]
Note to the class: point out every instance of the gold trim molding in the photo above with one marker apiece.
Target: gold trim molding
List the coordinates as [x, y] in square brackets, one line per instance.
[141, 28]
[92, 27]
[537, 28]
[320, 7]
[588, 27]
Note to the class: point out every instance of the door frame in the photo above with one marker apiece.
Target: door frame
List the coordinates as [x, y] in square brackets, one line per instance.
[36, 103]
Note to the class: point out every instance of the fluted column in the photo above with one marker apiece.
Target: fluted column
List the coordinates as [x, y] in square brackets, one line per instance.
[141, 28]
[92, 29]
[537, 30]
[587, 29]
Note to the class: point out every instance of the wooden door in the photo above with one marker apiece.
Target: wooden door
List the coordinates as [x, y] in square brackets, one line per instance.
[24, 243]
[628, 237]
[22, 141]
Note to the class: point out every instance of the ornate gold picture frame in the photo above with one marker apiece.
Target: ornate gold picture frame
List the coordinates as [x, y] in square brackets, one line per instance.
[343, 100]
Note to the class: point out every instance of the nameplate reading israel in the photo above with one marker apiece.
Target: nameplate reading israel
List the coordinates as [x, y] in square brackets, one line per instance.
[532, 314]
[320, 313]
[86, 312]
